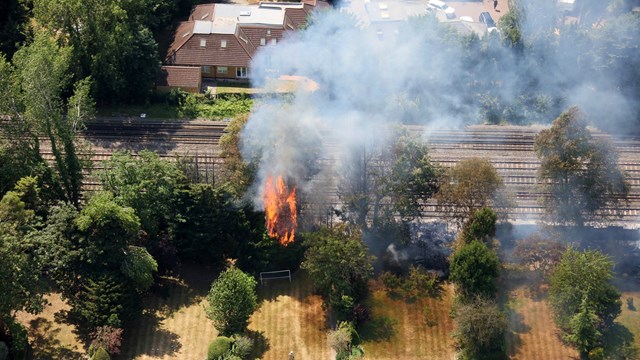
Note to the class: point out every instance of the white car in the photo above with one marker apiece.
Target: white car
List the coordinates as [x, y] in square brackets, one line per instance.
[440, 5]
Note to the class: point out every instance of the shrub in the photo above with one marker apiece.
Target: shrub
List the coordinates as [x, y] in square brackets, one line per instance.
[390, 281]
[219, 347]
[101, 354]
[242, 346]
[108, 338]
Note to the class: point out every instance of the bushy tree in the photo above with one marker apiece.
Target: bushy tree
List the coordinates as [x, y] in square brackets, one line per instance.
[579, 276]
[148, 184]
[338, 262]
[579, 172]
[475, 268]
[39, 107]
[102, 301]
[231, 301]
[584, 334]
[480, 329]
[481, 226]
[219, 347]
[139, 266]
[20, 284]
[469, 186]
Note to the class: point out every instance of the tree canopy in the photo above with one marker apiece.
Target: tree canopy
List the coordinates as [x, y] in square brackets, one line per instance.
[468, 186]
[232, 299]
[579, 172]
[584, 276]
[475, 268]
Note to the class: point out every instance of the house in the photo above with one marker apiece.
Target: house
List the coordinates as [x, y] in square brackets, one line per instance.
[187, 78]
[222, 39]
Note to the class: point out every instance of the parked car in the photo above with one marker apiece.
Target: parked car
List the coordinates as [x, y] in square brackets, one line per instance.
[440, 5]
[486, 19]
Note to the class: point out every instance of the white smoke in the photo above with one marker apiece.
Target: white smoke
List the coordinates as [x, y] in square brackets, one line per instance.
[419, 74]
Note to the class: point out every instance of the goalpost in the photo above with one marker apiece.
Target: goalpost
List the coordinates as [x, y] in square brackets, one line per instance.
[271, 275]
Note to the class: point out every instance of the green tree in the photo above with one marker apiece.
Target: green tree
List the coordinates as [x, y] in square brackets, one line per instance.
[475, 268]
[481, 226]
[510, 26]
[111, 43]
[469, 186]
[584, 333]
[20, 283]
[231, 301]
[479, 329]
[40, 109]
[150, 185]
[338, 262]
[103, 300]
[108, 229]
[579, 172]
[584, 275]
[139, 266]
[237, 173]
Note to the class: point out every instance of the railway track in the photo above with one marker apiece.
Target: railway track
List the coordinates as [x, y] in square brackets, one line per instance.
[510, 149]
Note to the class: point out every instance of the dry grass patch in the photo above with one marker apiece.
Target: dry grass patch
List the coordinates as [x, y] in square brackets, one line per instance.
[291, 318]
[533, 334]
[49, 336]
[401, 330]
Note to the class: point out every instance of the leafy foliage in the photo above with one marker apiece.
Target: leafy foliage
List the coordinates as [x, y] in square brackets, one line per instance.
[219, 347]
[148, 184]
[237, 173]
[100, 354]
[584, 329]
[469, 186]
[579, 172]
[338, 262]
[475, 269]
[480, 226]
[139, 267]
[232, 299]
[108, 338]
[584, 275]
[480, 329]
[19, 273]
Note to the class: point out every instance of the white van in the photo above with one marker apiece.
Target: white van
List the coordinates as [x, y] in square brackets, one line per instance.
[440, 5]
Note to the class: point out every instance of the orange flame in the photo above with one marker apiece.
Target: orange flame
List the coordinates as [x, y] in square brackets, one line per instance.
[280, 210]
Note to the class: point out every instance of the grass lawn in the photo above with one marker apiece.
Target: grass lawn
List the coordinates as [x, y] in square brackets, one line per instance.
[49, 336]
[401, 330]
[532, 333]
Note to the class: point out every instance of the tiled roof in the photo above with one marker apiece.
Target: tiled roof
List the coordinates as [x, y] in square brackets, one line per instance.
[233, 54]
[255, 33]
[179, 76]
[298, 17]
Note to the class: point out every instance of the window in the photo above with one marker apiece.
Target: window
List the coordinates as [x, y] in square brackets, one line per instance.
[203, 42]
[263, 42]
[206, 69]
[222, 70]
[268, 32]
[241, 72]
[223, 43]
[274, 41]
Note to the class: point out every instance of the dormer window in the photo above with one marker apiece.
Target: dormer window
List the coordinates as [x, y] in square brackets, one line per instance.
[268, 32]
[263, 42]
[203, 42]
[274, 41]
[223, 43]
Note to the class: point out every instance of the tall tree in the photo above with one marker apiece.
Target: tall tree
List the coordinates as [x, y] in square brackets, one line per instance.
[584, 275]
[468, 186]
[111, 42]
[37, 106]
[150, 185]
[19, 274]
[579, 172]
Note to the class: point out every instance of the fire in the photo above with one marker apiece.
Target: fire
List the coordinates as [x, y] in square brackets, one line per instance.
[280, 210]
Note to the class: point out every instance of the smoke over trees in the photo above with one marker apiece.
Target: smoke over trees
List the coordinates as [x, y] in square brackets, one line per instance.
[579, 172]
